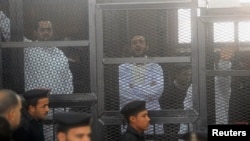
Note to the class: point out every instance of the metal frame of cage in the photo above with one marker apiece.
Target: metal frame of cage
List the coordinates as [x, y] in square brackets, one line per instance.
[163, 116]
[84, 99]
[97, 61]
[212, 16]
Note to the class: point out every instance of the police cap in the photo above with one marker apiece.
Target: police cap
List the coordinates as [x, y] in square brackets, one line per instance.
[36, 94]
[133, 108]
[71, 120]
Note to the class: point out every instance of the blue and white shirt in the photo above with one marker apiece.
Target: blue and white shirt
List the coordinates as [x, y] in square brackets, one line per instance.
[47, 67]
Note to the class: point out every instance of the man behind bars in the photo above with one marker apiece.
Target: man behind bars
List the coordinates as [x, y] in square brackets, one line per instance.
[46, 67]
[141, 81]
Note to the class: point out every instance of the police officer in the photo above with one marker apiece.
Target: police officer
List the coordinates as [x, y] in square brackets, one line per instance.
[73, 126]
[10, 107]
[36, 107]
[137, 118]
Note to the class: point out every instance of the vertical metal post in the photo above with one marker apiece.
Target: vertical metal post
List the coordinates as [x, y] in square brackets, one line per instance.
[202, 123]
[93, 62]
[100, 66]
[100, 69]
[92, 45]
[236, 33]
[194, 60]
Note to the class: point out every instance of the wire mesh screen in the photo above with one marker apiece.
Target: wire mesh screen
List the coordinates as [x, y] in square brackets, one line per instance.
[49, 127]
[64, 72]
[219, 54]
[159, 27]
[69, 18]
[165, 86]
[227, 95]
[79, 66]
[13, 72]
[113, 132]
[239, 100]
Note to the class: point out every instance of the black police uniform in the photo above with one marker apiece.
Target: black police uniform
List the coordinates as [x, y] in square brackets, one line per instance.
[129, 109]
[132, 135]
[30, 129]
[5, 131]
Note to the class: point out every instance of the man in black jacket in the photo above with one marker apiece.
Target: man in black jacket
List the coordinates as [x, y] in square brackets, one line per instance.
[137, 118]
[36, 107]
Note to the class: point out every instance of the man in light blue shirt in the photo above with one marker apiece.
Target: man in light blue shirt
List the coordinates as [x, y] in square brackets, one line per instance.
[141, 81]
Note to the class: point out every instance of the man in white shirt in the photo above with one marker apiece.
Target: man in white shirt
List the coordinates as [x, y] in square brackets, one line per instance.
[141, 81]
[47, 67]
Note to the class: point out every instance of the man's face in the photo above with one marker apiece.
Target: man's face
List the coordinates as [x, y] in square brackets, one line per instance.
[44, 32]
[17, 114]
[82, 133]
[141, 121]
[138, 46]
[41, 110]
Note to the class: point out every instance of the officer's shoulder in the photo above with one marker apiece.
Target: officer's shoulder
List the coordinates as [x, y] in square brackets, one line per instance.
[127, 137]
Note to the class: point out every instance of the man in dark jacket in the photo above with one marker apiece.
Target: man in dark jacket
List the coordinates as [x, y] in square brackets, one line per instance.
[35, 111]
[137, 118]
[5, 130]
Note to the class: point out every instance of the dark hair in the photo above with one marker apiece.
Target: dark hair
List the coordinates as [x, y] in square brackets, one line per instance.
[127, 117]
[8, 100]
[146, 41]
[5, 130]
[39, 20]
[32, 102]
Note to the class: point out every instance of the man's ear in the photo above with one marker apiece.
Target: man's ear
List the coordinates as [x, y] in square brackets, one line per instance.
[61, 136]
[132, 119]
[32, 108]
[11, 114]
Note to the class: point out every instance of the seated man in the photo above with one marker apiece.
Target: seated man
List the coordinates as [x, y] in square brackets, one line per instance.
[36, 107]
[73, 126]
[137, 118]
